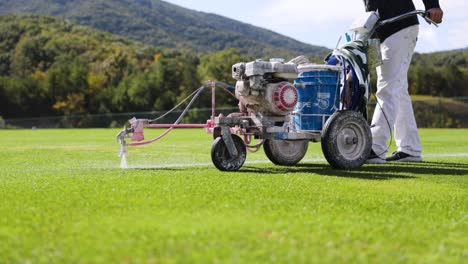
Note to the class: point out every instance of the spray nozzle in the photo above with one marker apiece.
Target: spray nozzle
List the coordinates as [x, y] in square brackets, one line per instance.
[120, 138]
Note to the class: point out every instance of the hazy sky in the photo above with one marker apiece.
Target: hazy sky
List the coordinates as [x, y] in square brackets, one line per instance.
[322, 22]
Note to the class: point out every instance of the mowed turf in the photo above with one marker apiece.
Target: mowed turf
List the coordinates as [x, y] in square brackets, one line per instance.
[65, 199]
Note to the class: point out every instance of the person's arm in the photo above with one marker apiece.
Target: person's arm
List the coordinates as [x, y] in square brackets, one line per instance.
[434, 10]
[371, 5]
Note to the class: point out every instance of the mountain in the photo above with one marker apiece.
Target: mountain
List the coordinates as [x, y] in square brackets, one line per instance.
[457, 58]
[162, 24]
[49, 66]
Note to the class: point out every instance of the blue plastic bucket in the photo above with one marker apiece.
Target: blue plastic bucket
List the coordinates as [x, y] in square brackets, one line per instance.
[318, 90]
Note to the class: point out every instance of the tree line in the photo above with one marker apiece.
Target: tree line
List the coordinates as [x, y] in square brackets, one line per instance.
[52, 67]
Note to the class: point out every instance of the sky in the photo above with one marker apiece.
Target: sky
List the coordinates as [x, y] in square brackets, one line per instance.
[320, 22]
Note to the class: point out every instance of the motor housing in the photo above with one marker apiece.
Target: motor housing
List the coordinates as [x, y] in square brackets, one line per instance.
[264, 87]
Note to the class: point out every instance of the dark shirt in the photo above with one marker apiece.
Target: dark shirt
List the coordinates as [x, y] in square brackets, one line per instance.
[392, 8]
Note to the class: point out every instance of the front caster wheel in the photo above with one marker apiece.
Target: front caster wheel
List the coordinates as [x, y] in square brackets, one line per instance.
[346, 140]
[284, 152]
[221, 157]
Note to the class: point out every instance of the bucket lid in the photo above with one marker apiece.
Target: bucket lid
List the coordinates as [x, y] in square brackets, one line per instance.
[317, 67]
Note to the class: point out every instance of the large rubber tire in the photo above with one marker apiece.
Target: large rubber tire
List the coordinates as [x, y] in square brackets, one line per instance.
[221, 158]
[285, 152]
[346, 140]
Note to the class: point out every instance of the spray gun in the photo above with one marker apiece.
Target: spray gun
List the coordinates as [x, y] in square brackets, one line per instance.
[135, 133]
[120, 138]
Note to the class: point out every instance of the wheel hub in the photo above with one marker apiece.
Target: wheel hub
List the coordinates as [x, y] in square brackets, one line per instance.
[348, 141]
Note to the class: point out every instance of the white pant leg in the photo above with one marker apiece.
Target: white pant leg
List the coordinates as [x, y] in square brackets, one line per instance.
[406, 130]
[392, 95]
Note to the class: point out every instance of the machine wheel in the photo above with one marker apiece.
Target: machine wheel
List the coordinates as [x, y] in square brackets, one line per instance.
[284, 152]
[221, 158]
[346, 140]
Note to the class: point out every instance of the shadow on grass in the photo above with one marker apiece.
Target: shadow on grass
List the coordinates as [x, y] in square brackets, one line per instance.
[368, 173]
[371, 172]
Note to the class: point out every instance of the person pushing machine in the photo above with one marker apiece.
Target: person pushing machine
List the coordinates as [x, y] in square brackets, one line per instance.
[398, 41]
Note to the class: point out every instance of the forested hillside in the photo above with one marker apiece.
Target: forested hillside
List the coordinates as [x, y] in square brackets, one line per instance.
[52, 67]
[162, 24]
[440, 74]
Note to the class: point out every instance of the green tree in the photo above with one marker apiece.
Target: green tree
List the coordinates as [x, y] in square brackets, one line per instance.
[454, 81]
[30, 54]
[22, 97]
[218, 67]
[68, 84]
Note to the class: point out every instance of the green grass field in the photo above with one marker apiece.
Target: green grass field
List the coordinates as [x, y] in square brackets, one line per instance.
[65, 199]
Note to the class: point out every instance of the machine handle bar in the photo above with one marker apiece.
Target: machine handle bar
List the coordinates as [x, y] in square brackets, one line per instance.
[421, 13]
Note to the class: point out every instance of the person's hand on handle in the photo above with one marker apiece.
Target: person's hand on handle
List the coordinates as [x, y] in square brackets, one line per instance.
[436, 15]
